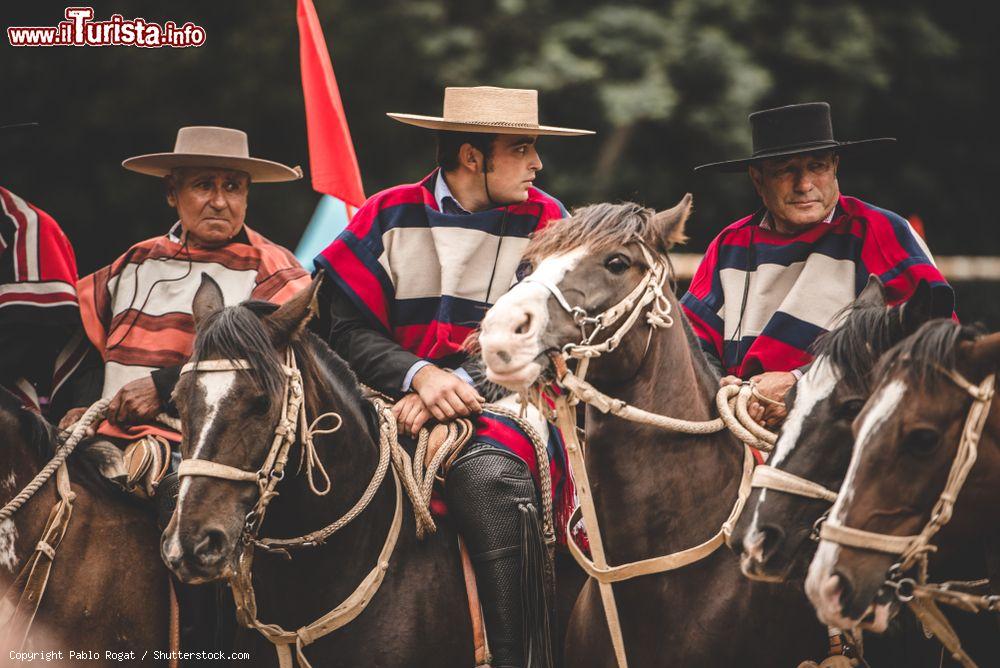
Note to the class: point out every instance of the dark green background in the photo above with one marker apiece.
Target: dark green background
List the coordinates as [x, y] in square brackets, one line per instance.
[667, 85]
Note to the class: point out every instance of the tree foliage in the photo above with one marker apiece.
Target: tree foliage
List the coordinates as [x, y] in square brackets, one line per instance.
[667, 85]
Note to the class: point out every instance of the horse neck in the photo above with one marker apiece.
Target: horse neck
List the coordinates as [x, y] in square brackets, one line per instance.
[350, 457]
[657, 491]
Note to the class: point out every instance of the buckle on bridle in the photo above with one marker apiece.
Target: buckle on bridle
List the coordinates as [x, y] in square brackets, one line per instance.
[818, 526]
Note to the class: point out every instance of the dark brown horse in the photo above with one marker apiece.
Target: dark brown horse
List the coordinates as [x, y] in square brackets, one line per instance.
[656, 492]
[906, 439]
[815, 440]
[777, 531]
[419, 616]
[108, 588]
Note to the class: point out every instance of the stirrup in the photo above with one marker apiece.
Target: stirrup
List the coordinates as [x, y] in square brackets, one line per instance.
[147, 462]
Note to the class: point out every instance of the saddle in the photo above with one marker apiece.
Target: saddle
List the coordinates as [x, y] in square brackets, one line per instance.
[146, 463]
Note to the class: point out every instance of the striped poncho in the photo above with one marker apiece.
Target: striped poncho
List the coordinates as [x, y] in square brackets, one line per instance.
[425, 279]
[759, 298]
[38, 300]
[137, 310]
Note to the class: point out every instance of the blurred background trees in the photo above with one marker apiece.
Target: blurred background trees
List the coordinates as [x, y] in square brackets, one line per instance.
[667, 85]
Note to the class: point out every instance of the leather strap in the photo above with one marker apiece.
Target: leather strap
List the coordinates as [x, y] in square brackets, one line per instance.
[865, 540]
[566, 419]
[768, 477]
[204, 467]
[16, 619]
[482, 652]
[246, 603]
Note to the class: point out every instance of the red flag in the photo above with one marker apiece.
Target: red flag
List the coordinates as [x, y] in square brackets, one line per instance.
[332, 161]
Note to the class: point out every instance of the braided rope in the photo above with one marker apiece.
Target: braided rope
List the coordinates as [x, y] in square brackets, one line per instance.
[731, 402]
[78, 431]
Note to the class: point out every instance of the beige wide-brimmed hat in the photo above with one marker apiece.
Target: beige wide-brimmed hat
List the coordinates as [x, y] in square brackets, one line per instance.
[509, 111]
[207, 146]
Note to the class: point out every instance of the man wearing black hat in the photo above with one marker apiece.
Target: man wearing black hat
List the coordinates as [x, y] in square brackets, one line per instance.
[773, 281]
[41, 339]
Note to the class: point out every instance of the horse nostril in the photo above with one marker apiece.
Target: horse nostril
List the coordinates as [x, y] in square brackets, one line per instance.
[210, 548]
[525, 325]
[771, 539]
[846, 589]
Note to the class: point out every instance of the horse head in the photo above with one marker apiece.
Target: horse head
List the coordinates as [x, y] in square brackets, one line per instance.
[582, 267]
[906, 440]
[231, 400]
[775, 530]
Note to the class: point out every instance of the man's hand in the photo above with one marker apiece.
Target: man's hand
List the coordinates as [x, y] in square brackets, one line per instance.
[71, 417]
[446, 395]
[135, 403]
[411, 414]
[730, 380]
[773, 385]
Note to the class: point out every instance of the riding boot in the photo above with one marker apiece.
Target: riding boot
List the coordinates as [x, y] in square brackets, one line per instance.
[492, 498]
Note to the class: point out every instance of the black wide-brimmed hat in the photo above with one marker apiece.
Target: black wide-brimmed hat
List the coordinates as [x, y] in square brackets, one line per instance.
[797, 128]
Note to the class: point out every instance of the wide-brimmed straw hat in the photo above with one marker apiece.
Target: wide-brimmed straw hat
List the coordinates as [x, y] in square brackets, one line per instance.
[207, 146]
[796, 128]
[507, 111]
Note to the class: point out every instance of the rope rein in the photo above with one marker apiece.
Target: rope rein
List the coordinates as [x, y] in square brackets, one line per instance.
[76, 434]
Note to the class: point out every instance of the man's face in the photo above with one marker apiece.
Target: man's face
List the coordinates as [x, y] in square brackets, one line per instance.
[211, 203]
[513, 167]
[798, 190]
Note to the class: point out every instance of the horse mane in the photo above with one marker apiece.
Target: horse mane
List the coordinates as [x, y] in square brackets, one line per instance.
[239, 333]
[38, 433]
[599, 227]
[928, 350]
[865, 333]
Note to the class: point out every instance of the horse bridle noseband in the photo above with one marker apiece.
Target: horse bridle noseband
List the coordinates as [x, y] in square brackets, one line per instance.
[915, 547]
[648, 291]
[272, 470]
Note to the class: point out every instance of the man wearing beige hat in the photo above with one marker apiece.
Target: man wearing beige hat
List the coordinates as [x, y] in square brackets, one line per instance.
[408, 282]
[137, 310]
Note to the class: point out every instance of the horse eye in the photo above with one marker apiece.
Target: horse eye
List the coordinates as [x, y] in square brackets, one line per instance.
[617, 264]
[921, 442]
[849, 409]
[259, 405]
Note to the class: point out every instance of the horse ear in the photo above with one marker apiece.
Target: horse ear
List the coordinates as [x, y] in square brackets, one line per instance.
[873, 294]
[667, 227]
[292, 317]
[916, 310]
[207, 300]
[983, 353]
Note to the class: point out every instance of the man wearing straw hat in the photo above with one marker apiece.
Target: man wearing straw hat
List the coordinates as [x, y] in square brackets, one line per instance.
[408, 281]
[772, 282]
[137, 310]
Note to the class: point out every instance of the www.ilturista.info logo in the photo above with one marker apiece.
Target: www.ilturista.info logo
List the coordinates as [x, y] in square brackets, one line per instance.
[79, 29]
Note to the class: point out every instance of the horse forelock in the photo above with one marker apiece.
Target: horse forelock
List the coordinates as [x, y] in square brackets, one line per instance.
[598, 227]
[922, 355]
[864, 334]
[238, 333]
